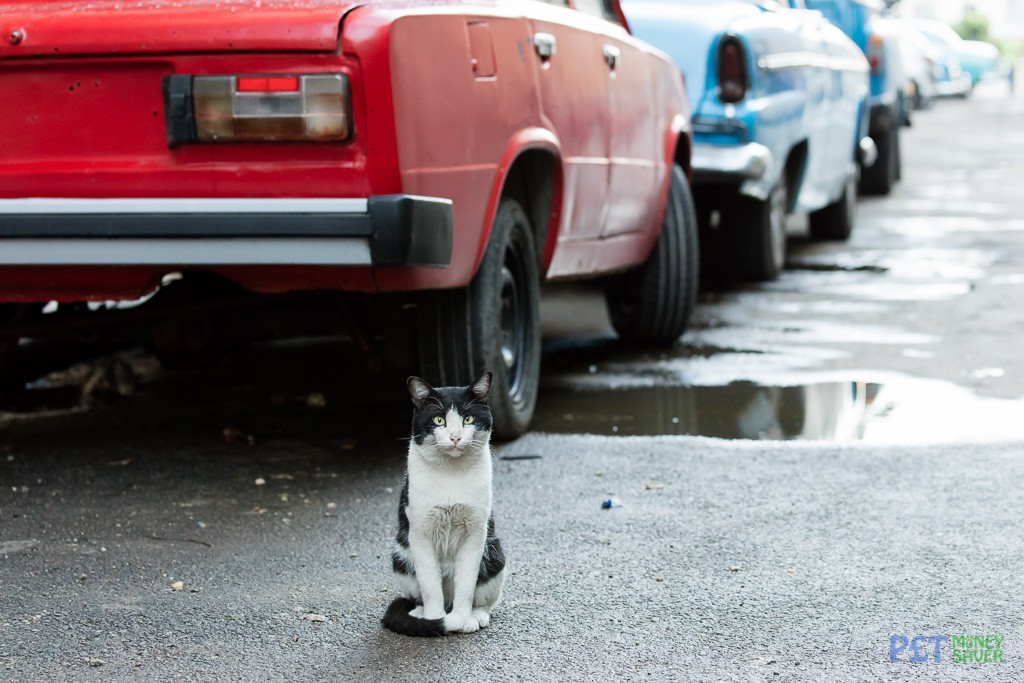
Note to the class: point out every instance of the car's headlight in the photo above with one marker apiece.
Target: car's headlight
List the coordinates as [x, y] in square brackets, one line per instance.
[251, 108]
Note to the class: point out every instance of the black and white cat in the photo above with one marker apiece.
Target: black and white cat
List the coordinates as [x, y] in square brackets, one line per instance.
[449, 564]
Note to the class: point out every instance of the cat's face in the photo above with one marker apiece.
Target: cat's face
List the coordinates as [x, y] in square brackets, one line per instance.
[451, 421]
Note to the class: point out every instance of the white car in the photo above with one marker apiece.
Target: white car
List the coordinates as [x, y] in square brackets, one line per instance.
[953, 80]
[921, 61]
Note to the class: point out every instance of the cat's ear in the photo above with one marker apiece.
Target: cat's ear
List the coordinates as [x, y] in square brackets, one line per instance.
[481, 386]
[419, 390]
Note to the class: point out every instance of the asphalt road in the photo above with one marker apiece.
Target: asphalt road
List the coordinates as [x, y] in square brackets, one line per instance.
[233, 525]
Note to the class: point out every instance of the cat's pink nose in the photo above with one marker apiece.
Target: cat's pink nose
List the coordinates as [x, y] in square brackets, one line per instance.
[455, 440]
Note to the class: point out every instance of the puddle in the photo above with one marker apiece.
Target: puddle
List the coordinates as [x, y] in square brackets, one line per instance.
[833, 267]
[739, 410]
[895, 409]
[905, 274]
[934, 227]
[952, 206]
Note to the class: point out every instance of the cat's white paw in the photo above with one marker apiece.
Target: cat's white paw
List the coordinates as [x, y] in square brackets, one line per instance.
[461, 623]
[417, 612]
[483, 617]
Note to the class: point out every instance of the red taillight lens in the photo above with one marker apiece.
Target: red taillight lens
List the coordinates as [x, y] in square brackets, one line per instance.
[268, 84]
[732, 71]
[876, 53]
[272, 108]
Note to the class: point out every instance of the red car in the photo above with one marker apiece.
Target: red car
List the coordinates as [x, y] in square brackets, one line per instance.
[452, 153]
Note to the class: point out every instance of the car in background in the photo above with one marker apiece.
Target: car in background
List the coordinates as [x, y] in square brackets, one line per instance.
[954, 79]
[921, 68]
[417, 158]
[979, 59]
[869, 25]
[779, 121]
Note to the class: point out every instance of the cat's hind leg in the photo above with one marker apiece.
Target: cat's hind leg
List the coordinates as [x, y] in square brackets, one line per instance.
[487, 595]
[410, 588]
[406, 577]
[490, 579]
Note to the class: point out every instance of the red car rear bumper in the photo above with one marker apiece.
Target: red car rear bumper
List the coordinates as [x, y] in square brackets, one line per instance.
[389, 230]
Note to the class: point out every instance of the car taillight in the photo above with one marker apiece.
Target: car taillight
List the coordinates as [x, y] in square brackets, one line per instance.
[284, 108]
[876, 53]
[732, 70]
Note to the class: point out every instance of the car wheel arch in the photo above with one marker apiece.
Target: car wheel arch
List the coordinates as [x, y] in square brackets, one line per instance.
[795, 170]
[531, 173]
[682, 153]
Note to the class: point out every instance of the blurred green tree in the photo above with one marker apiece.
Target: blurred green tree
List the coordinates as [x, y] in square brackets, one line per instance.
[974, 26]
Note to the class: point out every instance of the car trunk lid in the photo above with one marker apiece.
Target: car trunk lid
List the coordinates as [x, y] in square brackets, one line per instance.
[106, 27]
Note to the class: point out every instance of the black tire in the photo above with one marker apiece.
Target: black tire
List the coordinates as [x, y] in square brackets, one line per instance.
[494, 324]
[10, 315]
[715, 262]
[652, 304]
[880, 177]
[916, 98]
[835, 221]
[899, 160]
[757, 230]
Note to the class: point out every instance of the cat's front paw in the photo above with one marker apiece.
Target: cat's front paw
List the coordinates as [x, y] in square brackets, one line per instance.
[417, 613]
[461, 623]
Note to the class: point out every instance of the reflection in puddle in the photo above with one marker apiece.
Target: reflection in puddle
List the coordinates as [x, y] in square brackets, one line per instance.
[739, 410]
[903, 410]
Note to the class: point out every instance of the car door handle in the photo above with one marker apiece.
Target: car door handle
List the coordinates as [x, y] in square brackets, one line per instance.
[612, 55]
[544, 45]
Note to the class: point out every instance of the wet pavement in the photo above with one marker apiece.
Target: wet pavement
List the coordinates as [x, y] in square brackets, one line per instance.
[907, 332]
[863, 478]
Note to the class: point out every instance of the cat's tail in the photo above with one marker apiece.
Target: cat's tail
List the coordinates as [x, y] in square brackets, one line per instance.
[398, 619]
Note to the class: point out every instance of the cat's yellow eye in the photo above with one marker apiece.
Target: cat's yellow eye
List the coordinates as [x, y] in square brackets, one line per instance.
[439, 421]
[468, 420]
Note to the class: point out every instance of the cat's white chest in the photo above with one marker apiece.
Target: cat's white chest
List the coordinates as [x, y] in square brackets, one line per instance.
[452, 503]
[447, 527]
[448, 505]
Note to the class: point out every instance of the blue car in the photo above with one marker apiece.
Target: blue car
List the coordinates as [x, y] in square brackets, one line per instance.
[778, 97]
[878, 35]
[965, 62]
